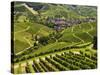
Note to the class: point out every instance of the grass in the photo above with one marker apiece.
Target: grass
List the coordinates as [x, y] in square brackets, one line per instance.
[59, 10]
[84, 36]
[93, 32]
[20, 26]
[51, 47]
[73, 50]
[69, 38]
[19, 46]
[80, 31]
[26, 30]
[85, 26]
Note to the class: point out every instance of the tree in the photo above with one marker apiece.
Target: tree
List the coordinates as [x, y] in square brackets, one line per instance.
[36, 45]
[43, 40]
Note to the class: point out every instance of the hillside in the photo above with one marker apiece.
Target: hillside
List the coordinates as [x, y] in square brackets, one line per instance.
[53, 37]
[23, 34]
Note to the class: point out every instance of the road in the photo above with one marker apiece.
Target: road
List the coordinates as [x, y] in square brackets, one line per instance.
[31, 9]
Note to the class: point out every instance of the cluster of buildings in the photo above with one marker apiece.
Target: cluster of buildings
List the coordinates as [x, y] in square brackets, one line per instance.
[60, 23]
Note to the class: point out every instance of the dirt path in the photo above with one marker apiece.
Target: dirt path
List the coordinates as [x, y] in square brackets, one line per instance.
[78, 38]
[89, 35]
[24, 50]
[27, 41]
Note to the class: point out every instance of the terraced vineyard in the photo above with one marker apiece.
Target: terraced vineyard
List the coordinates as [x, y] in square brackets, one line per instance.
[79, 33]
[62, 40]
[61, 62]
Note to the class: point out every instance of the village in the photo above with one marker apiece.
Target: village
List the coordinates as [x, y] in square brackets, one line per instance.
[60, 24]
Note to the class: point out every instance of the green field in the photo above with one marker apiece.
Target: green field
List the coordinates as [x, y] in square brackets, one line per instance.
[39, 47]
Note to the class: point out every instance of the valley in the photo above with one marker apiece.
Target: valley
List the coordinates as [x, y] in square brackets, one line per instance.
[53, 37]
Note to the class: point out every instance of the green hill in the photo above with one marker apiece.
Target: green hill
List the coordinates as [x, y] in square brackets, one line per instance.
[23, 34]
[79, 33]
[27, 25]
[34, 38]
[40, 47]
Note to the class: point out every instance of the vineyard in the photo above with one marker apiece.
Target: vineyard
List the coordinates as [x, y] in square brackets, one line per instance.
[60, 62]
[53, 37]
